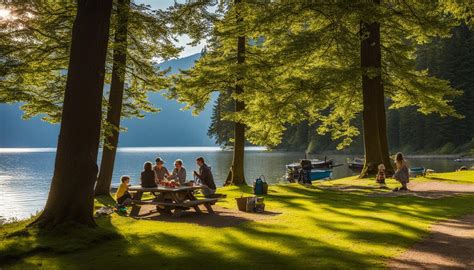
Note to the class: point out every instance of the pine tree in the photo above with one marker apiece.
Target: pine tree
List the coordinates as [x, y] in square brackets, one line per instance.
[70, 199]
[38, 46]
[223, 68]
[114, 111]
[449, 59]
[38, 41]
[220, 129]
[315, 49]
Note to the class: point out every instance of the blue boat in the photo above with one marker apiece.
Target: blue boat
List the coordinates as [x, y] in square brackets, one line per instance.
[320, 174]
[319, 169]
[417, 171]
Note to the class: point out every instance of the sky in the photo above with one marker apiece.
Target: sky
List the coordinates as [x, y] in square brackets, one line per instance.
[183, 40]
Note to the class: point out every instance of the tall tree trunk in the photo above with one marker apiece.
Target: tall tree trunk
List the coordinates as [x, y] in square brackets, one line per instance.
[383, 134]
[115, 100]
[374, 118]
[236, 174]
[71, 197]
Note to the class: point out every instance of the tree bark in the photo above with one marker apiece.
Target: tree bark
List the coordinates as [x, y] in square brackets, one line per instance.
[114, 111]
[374, 117]
[236, 174]
[70, 198]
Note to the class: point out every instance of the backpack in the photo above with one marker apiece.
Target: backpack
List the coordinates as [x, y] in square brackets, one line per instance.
[260, 186]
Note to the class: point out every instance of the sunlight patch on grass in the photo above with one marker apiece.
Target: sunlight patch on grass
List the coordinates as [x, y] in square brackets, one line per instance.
[316, 228]
[455, 177]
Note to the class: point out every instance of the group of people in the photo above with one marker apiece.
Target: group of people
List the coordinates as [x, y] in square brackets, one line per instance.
[152, 176]
[402, 173]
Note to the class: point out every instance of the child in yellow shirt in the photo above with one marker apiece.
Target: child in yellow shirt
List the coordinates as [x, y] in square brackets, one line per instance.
[122, 196]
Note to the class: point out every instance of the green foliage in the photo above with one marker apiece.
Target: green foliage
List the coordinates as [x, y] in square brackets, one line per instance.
[448, 148]
[220, 129]
[317, 60]
[35, 47]
[450, 59]
[304, 66]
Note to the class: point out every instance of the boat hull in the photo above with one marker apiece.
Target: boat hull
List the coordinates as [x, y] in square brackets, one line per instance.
[320, 174]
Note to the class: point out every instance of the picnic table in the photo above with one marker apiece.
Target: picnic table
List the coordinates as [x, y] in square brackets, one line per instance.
[169, 200]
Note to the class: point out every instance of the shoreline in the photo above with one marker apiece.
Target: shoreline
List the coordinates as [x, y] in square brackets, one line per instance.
[18, 150]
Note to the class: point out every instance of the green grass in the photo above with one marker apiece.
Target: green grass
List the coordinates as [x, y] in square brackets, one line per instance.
[316, 228]
[460, 177]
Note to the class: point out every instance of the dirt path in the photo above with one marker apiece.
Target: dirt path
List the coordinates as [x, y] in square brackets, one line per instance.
[450, 245]
[429, 190]
[440, 186]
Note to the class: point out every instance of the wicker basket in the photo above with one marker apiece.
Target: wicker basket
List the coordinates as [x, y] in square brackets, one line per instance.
[242, 203]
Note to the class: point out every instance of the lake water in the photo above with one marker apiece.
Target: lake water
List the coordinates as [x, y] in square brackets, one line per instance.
[25, 173]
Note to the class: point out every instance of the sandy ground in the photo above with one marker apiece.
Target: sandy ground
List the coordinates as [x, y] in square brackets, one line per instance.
[430, 190]
[450, 245]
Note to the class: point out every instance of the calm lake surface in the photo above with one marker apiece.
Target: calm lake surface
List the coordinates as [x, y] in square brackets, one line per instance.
[25, 173]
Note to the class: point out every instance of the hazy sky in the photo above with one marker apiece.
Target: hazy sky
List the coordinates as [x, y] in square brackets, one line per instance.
[163, 4]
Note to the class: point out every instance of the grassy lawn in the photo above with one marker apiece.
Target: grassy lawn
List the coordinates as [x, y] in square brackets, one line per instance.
[316, 228]
[461, 177]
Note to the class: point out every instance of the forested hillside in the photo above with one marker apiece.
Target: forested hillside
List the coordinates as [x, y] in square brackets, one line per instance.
[451, 59]
[409, 130]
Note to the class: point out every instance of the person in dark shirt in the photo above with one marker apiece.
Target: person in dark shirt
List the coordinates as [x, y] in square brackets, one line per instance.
[148, 176]
[205, 175]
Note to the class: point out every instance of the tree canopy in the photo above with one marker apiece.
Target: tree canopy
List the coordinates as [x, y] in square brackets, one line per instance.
[36, 44]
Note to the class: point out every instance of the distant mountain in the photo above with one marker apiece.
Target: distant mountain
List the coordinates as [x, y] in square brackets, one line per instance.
[170, 127]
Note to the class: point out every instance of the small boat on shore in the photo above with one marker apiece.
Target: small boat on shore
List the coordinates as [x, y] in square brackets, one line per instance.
[320, 174]
[320, 169]
[417, 171]
[356, 164]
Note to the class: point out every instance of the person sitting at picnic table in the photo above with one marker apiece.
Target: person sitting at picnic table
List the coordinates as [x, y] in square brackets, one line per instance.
[402, 173]
[205, 176]
[160, 171]
[148, 176]
[122, 196]
[179, 172]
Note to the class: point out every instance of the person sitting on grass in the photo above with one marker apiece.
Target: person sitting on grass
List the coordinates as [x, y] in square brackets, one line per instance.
[402, 174]
[148, 176]
[179, 172]
[381, 175]
[160, 170]
[122, 196]
[205, 176]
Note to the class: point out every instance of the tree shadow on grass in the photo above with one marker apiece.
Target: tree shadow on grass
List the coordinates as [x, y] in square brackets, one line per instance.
[26, 242]
[272, 245]
[229, 251]
[221, 218]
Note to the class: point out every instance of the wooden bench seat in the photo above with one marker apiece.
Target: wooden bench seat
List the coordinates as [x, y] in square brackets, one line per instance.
[186, 204]
[170, 200]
